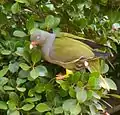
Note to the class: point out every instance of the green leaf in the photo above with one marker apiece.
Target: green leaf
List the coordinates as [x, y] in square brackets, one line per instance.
[49, 21]
[33, 99]
[56, 22]
[111, 84]
[75, 110]
[23, 74]
[99, 106]
[72, 92]
[94, 65]
[3, 105]
[34, 73]
[114, 95]
[3, 71]
[50, 6]
[3, 19]
[5, 52]
[30, 24]
[13, 67]
[11, 105]
[63, 84]
[9, 88]
[35, 56]
[89, 94]
[27, 107]
[81, 95]
[38, 71]
[31, 93]
[63, 93]
[58, 110]
[97, 96]
[20, 81]
[14, 97]
[68, 104]
[24, 66]
[15, 8]
[75, 78]
[3, 81]
[93, 82]
[20, 51]
[34, 1]
[42, 70]
[49, 87]
[82, 22]
[15, 112]
[21, 89]
[39, 88]
[22, 1]
[42, 107]
[104, 67]
[19, 33]
[92, 109]
[80, 84]
[26, 56]
[104, 2]
[56, 31]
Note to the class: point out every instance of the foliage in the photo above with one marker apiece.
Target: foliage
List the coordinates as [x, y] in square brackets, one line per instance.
[27, 83]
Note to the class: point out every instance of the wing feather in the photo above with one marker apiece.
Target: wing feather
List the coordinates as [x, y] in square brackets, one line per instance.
[66, 50]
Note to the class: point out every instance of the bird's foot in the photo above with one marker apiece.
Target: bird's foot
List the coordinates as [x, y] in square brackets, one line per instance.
[60, 76]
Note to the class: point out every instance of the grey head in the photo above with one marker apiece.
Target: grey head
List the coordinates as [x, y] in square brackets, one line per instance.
[39, 37]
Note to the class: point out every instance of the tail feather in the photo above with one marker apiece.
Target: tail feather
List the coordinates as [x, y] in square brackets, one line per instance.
[101, 54]
[92, 44]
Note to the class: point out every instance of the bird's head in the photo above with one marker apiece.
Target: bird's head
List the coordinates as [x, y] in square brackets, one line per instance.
[38, 37]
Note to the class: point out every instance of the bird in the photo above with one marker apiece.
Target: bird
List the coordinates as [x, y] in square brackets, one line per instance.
[67, 50]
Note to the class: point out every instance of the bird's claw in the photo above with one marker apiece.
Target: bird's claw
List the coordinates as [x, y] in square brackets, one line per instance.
[60, 76]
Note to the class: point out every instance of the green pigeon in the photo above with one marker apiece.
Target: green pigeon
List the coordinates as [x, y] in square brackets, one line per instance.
[67, 50]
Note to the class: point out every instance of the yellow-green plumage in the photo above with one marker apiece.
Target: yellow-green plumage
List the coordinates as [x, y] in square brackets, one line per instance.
[66, 50]
[63, 49]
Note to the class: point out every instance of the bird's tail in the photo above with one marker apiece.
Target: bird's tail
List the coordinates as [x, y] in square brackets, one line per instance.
[101, 54]
[92, 44]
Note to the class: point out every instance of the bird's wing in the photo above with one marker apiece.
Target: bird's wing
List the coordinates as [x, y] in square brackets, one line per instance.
[66, 50]
[89, 42]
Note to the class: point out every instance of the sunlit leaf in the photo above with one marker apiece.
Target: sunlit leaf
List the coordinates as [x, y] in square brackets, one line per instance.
[35, 56]
[3, 105]
[15, 112]
[30, 23]
[13, 67]
[111, 83]
[21, 89]
[15, 8]
[68, 104]
[19, 33]
[3, 71]
[9, 88]
[6, 52]
[81, 95]
[58, 110]
[24, 66]
[27, 107]
[42, 107]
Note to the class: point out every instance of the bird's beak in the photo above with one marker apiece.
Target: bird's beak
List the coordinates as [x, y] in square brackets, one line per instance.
[33, 44]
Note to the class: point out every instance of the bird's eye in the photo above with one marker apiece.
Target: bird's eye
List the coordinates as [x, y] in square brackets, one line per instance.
[38, 37]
